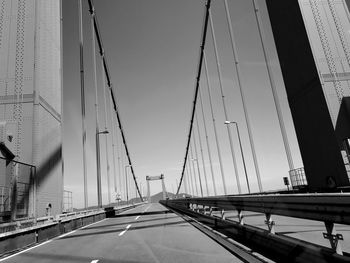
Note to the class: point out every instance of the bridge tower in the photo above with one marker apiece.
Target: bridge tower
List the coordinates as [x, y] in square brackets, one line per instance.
[313, 50]
[153, 178]
[31, 93]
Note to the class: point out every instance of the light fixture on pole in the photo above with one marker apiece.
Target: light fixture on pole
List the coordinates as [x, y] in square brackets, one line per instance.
[241, 149]
[98, 163]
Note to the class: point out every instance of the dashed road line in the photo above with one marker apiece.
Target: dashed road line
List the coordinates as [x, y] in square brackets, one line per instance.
[137, 217]
[95, 261]
[122, 233]
[126, 229]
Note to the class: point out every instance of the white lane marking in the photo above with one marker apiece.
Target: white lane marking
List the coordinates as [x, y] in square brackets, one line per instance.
[48, 241]
[122, 233]
[137, 217]
[126, 229]
[11, 256]
[95, 261]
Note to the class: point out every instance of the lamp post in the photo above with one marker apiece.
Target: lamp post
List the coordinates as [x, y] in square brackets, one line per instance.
[241, 149]
[98, 164]
[126, 183]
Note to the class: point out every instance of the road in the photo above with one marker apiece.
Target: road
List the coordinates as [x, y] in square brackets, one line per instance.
[148, 233]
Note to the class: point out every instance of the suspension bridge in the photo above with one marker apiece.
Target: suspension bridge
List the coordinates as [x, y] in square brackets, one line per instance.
[260, 136]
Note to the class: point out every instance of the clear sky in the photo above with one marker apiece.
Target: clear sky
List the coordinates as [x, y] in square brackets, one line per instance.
[152, 48]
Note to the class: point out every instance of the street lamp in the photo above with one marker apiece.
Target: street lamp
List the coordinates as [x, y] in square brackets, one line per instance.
[98, 164]
[103, 132]
[126, 182]
[241, 149]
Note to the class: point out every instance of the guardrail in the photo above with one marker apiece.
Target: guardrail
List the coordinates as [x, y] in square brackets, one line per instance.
[328, 208]
[321, 207]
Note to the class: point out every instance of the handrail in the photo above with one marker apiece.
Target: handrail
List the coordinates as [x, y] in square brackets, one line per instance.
[333, 208]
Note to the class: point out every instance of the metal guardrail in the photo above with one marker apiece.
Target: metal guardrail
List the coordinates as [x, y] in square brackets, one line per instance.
[321, 207]
[328, 208]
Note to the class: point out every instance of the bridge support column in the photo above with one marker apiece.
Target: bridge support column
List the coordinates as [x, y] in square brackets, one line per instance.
[223, 214]
[240, 217]
[333, 237]
[148, 192]
[270, 223]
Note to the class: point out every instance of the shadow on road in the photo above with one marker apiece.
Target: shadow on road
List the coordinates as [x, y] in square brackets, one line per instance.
[144, 213]
[128, 222]
[122, 229]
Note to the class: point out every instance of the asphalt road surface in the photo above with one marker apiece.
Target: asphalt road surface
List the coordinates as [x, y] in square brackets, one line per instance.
[148, 233]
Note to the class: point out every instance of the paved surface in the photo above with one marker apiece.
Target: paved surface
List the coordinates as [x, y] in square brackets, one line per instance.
[144, 234]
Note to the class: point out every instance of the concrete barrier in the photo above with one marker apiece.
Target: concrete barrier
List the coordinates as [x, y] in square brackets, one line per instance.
[50, 227]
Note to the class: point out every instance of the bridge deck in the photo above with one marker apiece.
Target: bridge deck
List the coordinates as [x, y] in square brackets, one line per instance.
[149, 233]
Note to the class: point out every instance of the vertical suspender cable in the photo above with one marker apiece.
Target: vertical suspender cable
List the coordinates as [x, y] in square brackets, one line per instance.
[122, 175]
[82, 88]
[238, 74]
[224, 104]
[201, 151]
[113, 149]
[189, 172]
[120, 170]
[98, 160]
[272, 82]
[197, 162]
[198, 77]
[185, 183]
[106, 129]
[207, 140]
[214, 124]
[194, 170]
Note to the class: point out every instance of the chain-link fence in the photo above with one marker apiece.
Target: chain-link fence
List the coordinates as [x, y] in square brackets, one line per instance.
[17, 190]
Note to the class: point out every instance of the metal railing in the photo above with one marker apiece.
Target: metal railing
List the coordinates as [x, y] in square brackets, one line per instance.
[328, 208]
[298, 178]
[67, 201]
[17, 190]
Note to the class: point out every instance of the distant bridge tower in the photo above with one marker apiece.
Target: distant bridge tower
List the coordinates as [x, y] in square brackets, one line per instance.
[152, 178]
[31, 91]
